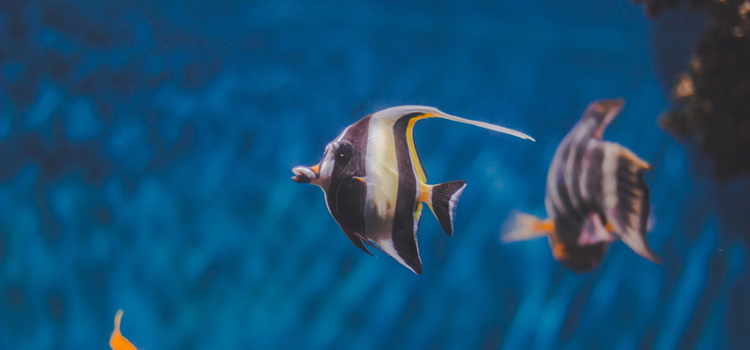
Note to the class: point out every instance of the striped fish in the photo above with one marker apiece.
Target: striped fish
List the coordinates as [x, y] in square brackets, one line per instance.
[375, 184]
[595, 195]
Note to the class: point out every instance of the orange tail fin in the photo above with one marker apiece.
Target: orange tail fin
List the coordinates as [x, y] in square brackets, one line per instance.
[524, 226]
[117, 341]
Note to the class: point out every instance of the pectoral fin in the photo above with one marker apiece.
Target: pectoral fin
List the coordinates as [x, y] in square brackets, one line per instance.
[595, 232]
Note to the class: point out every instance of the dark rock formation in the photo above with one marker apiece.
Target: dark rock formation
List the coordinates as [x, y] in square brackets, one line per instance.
[714, 92]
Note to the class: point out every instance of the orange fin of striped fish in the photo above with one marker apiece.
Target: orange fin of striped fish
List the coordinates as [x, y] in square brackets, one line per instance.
[522, 227]
[116, 340]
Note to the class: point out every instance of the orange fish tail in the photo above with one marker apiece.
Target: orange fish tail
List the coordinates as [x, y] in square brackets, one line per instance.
[524, 226]
[116, 340]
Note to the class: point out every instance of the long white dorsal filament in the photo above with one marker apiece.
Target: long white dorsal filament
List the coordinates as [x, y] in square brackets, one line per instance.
[484, 125]
[394, 113]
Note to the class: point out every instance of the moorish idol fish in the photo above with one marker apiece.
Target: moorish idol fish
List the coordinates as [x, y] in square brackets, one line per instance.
[595, 195]
[374, 182]
[116, 340]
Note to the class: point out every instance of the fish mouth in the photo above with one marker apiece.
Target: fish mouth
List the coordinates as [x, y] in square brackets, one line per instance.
[305, 175]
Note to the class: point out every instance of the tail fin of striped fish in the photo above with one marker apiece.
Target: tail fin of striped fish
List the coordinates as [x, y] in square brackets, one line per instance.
[523, 226]
[626, 198]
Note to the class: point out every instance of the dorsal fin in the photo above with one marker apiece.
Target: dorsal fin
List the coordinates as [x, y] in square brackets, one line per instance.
[603, 112]
[394, 113]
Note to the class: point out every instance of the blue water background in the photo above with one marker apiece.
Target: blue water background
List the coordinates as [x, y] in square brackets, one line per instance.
[145, 156]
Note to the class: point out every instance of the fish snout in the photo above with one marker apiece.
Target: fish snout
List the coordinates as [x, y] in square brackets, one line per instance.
[305, 175]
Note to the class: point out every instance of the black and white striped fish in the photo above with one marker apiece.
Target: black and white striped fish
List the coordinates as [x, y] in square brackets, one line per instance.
[375, 184]
[595, 194]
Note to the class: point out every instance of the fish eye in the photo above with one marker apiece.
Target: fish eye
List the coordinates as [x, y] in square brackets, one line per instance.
[344, 151]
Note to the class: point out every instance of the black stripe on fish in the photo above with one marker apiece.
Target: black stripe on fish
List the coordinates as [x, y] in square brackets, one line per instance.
[404, 233]
[593, 172]
[347, 203]
[575, 145]
[356, 135]
[346, 195]
[568, 209]
[580, 151]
